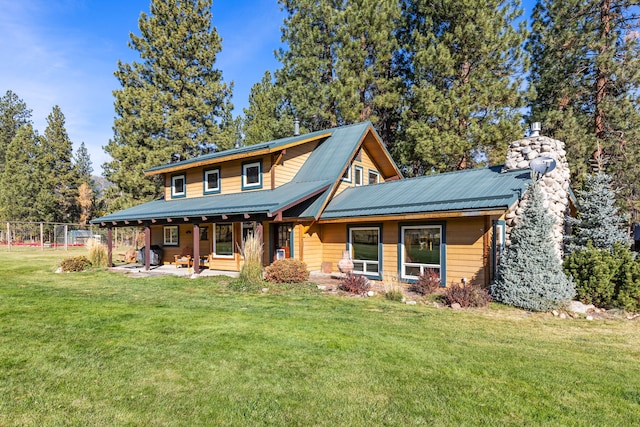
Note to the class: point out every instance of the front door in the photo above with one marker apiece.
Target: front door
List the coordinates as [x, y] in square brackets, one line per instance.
[282, 238]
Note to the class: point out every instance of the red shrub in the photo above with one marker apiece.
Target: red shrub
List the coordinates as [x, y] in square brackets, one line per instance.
[354, 284]
[467, 295]
[427, 282]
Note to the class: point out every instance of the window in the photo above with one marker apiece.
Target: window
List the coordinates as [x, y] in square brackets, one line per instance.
[364, 246]
[357, 171]
[374, 177]
[178, 186]
[248, 229]
[347, 175]
[212, 181]
[171, 234]
[420, 249]
[223, 240]
[251, 175]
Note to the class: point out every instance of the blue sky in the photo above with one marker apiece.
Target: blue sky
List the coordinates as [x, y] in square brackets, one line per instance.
[64, 52]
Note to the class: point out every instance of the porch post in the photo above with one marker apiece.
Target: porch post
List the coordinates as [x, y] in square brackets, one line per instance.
[196, 248]
[109, 246]
[147, 247]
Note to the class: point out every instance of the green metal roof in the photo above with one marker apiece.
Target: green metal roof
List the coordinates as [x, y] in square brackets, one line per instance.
[320, 172]
[272, 145]
[472, 189]
[254, 202]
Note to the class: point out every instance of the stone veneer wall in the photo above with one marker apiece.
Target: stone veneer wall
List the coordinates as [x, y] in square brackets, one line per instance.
[554, 185]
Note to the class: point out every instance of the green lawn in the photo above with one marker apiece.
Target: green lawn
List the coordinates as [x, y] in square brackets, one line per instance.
[105, 349]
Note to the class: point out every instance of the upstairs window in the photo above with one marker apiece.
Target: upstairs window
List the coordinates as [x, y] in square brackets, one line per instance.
[212, 181]
[374, 177]
[251, 175]
[357, 178]
[178, 186]
[347, 175]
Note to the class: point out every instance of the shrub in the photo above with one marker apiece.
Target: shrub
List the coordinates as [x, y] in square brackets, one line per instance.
[97, 254]
[78, 263]
[287, 270]
[604, 278]
[394, 295]
[355, 284]
[467, 295]
[428, 282]
[251, 271]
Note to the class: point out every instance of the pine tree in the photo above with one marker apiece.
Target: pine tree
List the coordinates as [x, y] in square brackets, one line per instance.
[586, 75]
[19, 182]
[172, 103]
[83, 165]
[530, 274]
[598, 220]
[267, 117]
[465, 67]
[56, 175]
[339, 66]
[13, 115]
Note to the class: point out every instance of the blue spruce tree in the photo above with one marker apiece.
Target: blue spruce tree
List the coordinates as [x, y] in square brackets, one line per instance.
[598, 219]
[530, 275]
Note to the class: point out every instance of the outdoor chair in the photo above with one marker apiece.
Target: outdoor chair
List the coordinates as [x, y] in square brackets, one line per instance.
[185, 258]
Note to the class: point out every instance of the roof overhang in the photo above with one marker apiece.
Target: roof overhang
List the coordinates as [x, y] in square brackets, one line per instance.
[415, 216]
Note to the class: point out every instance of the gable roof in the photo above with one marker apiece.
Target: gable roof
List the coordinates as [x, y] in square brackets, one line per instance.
[467, 190]
[318, 177]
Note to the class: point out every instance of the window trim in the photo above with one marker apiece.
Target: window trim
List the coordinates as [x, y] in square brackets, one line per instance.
[174, 193]
[376, 173]
[443, 252]
[355, 176]
[205, 182]
[164, 235]
[215, 240]
[373, 274]
[347, 178]
[247, 165]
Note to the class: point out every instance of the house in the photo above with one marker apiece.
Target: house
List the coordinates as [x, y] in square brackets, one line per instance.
[314, 196]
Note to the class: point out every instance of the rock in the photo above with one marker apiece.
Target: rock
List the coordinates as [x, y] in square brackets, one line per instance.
[370, 293]
[563, 316]
[322, 287]
[456, 306]
[411, 303]
[59, 270]
[578, 307]
[194, 276]
[589, 317]
[265, 290]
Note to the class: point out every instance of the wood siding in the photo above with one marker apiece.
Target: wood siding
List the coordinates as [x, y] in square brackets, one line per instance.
[292, 161]
[312, 246]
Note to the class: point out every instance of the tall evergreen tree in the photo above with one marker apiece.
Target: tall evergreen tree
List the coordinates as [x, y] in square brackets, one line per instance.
[174, 102]
[19, 182]
[339, 66]
[267, 117]
[586, 75]
[83, 165]
[465, 67]
[530, 275]
[598, 220]
[56, 176]
[13, 115]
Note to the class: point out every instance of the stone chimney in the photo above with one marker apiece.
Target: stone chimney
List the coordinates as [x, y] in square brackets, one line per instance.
[554, 184]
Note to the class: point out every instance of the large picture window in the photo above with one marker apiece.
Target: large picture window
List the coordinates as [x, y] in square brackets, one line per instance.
[364, 246]
[251, 175]
[171, 235]
[178, 186]
[421, 250]
[223, 240]
[212, 181]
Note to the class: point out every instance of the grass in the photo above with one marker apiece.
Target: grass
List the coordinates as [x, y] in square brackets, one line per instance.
[100, 348]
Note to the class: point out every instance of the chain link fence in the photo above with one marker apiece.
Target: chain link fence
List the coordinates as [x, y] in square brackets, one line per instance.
[60, 236]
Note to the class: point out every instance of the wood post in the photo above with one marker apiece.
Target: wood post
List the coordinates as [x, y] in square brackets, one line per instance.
[147, 247]
[109, 246]
[196, 248]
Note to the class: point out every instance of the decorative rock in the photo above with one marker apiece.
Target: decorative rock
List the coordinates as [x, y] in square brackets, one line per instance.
[578, 307]
[456, 306]
[370, 293]
[555, 313]
[411, 303]
[194, 276]
[322, 287]
[563, 316]
[265, 290]
[589, 317]
[59, 270]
